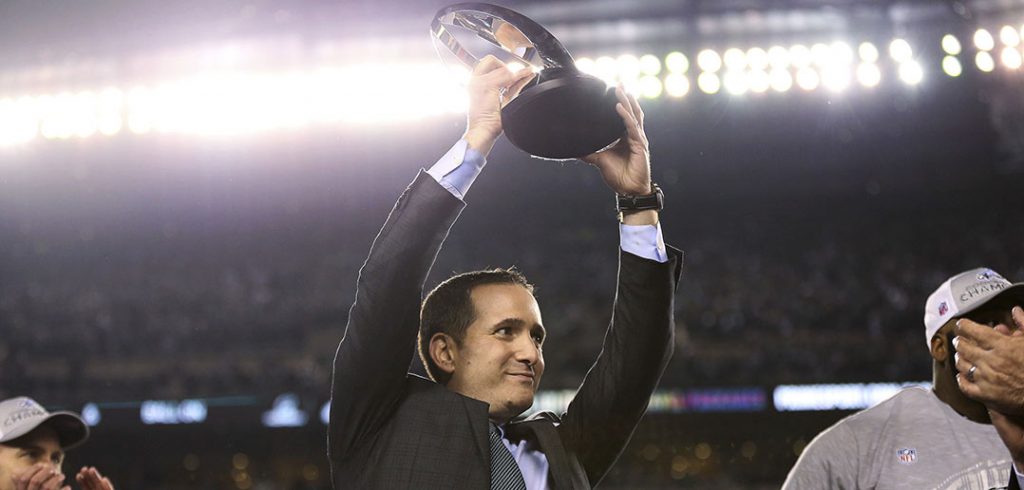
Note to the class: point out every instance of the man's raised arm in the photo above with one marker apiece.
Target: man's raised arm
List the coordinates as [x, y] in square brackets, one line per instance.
[372, 360]
[638, 342]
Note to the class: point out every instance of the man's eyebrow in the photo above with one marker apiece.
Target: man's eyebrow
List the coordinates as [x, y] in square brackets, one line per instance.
[510, 322]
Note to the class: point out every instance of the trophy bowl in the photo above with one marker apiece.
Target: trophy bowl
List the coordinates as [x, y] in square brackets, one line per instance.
[562, 113]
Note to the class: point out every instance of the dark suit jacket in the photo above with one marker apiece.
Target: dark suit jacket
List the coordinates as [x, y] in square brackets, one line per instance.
[393, 430]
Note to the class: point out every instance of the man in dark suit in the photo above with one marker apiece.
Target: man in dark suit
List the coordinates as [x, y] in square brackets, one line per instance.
[481, 336]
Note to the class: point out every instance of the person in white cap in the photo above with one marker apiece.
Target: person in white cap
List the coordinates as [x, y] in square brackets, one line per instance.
[32, 445]
[938, 438]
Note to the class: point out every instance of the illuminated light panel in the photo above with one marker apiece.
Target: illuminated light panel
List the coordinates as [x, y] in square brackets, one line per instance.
[983, 40]
[649, 86]
[787, 398]
[911, 72]
[759, 81]
[735, 82]
[757, 58]
[868, 74]
[780, 79]
[799, 56]
[985, 61]
[1009, 36]
[1011, 58]
[868, 52]
[835, 78]
[709, 61]
[807, 78]
[709, 83]
[677, 85]
[900, 50]
[677, 62]
[735, 59]
[650, 64]
[778, 57]
[951, 45]
[951, 66]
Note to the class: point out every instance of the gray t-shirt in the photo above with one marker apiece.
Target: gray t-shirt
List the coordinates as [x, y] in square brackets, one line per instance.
[910, 441]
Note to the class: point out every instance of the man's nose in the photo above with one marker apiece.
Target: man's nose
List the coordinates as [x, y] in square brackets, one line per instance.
[527, 351]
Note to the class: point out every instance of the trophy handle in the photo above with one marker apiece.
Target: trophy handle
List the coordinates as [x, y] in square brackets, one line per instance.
[520, 37]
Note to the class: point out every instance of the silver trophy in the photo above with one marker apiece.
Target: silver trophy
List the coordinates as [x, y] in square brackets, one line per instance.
[562, 113]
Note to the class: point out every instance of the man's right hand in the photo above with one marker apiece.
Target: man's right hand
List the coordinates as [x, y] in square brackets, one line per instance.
[491, 86]
[40, 477]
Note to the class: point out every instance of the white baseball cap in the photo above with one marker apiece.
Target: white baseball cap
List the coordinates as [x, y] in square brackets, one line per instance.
[963, 293]
[19, 416]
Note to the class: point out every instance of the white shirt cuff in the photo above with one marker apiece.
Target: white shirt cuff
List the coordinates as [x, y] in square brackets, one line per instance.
[644, 241]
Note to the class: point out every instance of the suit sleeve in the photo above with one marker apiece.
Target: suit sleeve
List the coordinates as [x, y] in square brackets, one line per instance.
[829, 461]
[637, 346]
[379, 341]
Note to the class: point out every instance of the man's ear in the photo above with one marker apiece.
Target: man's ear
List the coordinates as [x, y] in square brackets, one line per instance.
[940, 348]
[443, 352]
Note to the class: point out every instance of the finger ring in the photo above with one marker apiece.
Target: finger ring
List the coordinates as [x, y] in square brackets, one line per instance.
[970, 373]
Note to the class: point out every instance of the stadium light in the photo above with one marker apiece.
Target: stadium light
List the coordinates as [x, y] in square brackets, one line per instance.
[821, 54]
[799, 56]
[911, 72]
[1010, 57]
[951, 66]
[841, 53]
[983, 40]
[677, 85]
[807, 78]
[649, 87]
[951, 45]
[900, 50]
[778, 57]
[868, 52]
[781, 79]
[835, 78]
[757, 58]
[709, 61]
[650, 64]
[606, 69]
[709, 83]
[735, 59]
[759, 81]
[868, 74]
[1009, 36]
[677, 62]
[627, 67]
[586, 65]
[735, 82]
[985, 61]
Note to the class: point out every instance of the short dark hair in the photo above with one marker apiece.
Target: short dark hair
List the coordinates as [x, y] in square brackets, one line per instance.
[449, 309]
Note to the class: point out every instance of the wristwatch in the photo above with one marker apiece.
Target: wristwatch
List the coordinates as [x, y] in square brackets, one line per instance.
[655, 200]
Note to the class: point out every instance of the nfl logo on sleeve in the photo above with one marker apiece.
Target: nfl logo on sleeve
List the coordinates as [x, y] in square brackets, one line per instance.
[907, 455]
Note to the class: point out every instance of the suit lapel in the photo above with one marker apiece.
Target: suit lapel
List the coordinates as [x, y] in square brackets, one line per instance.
[563, 473]
[476, 413]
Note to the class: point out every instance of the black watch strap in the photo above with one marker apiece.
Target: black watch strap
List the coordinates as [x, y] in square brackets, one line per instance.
[655, 200]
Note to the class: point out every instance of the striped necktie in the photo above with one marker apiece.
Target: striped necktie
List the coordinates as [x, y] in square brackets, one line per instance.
[505, 474]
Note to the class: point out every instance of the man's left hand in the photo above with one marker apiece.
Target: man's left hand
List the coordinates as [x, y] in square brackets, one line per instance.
[998, 358]
[626, 165]
[91, 479]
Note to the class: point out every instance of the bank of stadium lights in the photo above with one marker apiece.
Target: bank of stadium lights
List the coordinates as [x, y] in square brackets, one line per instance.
[1009, 49]
[234, 102]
